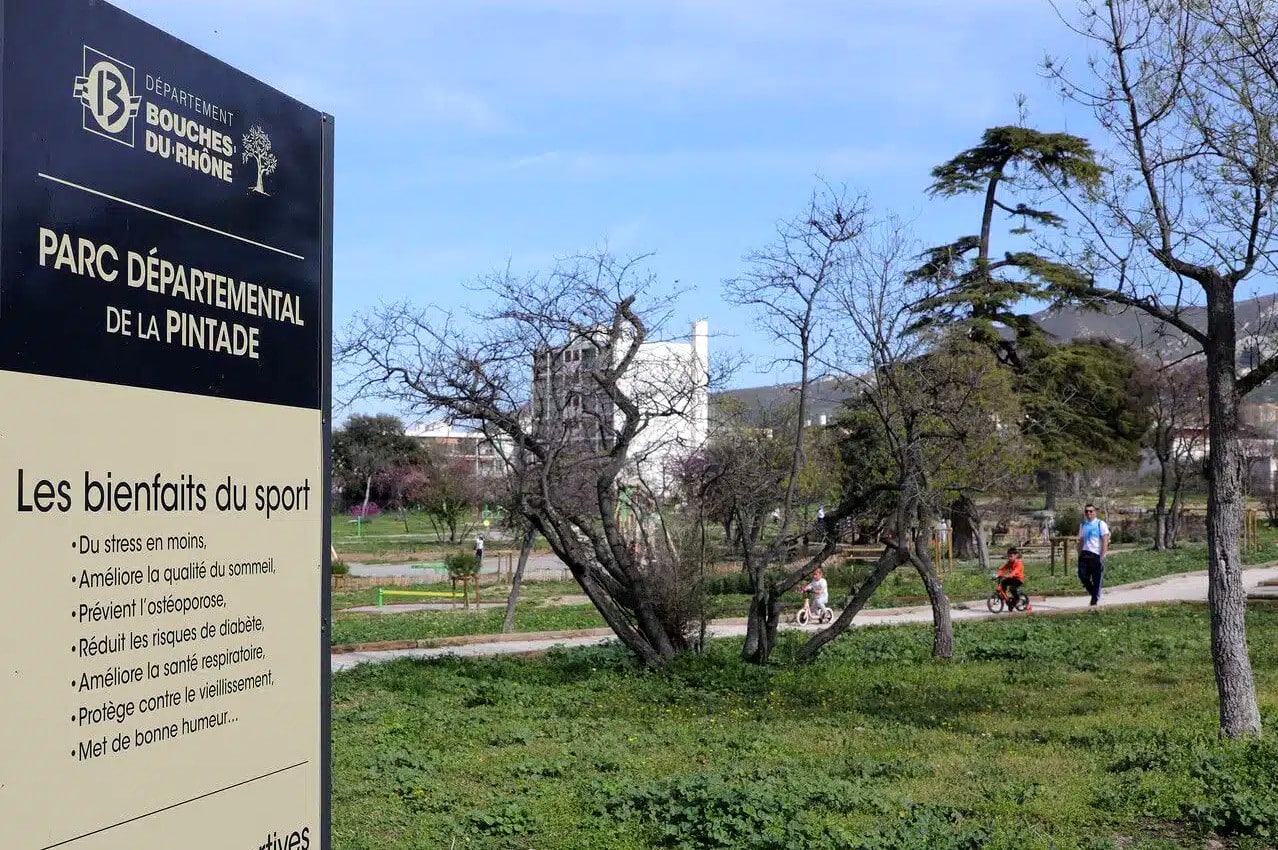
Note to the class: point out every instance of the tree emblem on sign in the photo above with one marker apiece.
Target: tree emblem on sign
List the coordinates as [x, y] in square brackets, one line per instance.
[257, 146]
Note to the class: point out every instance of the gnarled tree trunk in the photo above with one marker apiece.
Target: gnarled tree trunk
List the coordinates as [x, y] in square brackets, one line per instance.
[942, 625]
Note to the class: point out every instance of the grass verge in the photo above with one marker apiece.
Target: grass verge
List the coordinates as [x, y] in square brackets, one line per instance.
[1092, 731]
[426, 625]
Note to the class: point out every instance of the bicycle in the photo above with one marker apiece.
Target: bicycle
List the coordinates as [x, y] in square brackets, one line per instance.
[999, 602]
[805, 614]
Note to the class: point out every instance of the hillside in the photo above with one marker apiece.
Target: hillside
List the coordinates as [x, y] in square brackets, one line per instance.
[1257, 320]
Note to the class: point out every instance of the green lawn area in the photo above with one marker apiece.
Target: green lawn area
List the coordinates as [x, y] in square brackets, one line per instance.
[965, 583]
[384, 538]
[426, 625]
[1090, 731]
[532, 615]
[531, 592]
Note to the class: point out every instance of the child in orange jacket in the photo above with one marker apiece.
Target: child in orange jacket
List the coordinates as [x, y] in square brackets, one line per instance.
[1011, 576]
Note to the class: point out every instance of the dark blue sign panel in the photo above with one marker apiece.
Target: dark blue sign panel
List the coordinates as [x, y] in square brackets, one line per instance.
[161, 213]
[165, 303]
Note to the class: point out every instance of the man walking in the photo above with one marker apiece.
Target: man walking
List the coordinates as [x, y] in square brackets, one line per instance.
[1093, 545]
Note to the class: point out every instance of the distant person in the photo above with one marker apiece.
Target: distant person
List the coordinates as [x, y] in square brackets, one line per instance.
[1011, 576]
[479, 551]
[1093, 545]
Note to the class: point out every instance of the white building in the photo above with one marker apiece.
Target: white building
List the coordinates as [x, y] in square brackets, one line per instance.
[466, 443]
[667, 380]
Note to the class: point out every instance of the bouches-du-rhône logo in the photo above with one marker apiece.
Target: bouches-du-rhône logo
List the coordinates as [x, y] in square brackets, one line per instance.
[106, 93]
[257, 148]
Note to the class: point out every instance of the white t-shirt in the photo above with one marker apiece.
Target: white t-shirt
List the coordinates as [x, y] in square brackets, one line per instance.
[1092, 531]
[820, 591]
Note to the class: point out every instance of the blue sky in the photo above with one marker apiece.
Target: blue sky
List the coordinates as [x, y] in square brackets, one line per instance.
[472, 133]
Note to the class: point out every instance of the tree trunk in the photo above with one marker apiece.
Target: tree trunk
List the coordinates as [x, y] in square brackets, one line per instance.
[1173, 515]
[1160, 509]
[964, 527]
[1226, 597]
[703, 614]
[508, 624]
[761, 626]
[644, 637]
[755, 649]
[969, 541]
[1049, 494]
[637, 623]
[942, 625]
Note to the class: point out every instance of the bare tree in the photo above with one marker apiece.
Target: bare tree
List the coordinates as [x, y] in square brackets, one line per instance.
[1179, 411]
[452, 492]
[557, 368]
[1188, 94]
[788, 284]
[929, 412]
[257, 147]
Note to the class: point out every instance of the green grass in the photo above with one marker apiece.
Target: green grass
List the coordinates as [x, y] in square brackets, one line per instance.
[426, 625]
[1092, 731]
[966, 583]
[383, 538]
[530, 591]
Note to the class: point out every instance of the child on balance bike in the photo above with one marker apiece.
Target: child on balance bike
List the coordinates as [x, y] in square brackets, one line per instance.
[816, 600]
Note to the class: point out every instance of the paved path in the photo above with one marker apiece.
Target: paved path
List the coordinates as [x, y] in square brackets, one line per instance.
[1185, 587]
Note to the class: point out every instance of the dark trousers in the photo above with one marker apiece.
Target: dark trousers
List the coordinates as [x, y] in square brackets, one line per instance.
[1011, 586]
[1091, 571]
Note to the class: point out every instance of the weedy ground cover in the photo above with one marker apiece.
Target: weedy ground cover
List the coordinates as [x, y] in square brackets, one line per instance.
[1090, 731]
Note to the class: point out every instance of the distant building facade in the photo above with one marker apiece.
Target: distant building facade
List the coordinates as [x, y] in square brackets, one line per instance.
[464, 443]
[667, 380]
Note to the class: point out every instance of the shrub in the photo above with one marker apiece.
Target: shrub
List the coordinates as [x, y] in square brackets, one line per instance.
[922, 827]
[362, 512]
[339, 568]
[762, 810]
[508, 820]
[1239, 784]
[1067, 520]
[728, 583]
[461, 564]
